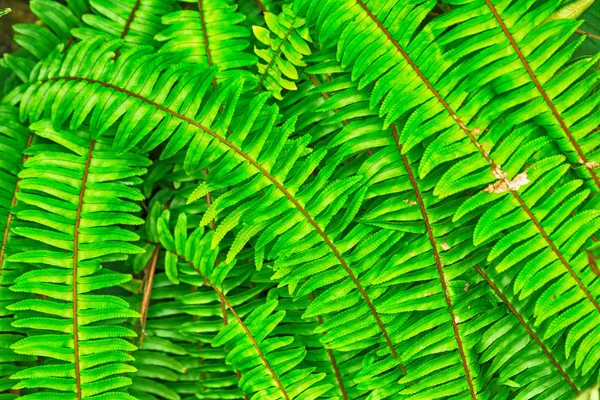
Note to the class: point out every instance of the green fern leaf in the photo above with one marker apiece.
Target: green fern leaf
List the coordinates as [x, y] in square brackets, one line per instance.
[68, 266]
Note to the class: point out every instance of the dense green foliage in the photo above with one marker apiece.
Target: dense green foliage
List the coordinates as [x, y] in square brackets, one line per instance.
[300, 199]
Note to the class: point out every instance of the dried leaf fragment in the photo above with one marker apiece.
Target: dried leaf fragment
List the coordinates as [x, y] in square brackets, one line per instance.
[504, 185]
[592, 164]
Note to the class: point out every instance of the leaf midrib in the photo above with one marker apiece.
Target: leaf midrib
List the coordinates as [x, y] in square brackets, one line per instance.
[75, 265]
[438, 262]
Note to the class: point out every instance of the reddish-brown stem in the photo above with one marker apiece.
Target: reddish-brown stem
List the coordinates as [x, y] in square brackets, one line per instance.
[128, 26]
[582, 32]
[130, 19]
[75, 265]
[150, 270]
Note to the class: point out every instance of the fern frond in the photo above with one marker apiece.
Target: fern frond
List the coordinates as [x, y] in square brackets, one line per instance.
[214, 36]
[180, 90]
[284, 50]
[76, 228]
[530, 349]
[179, 322]
[15, 139]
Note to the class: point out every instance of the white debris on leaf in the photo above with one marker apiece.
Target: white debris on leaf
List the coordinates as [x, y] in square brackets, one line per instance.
[445, 246]
[518, 181]
[457, 319]
[503, 184]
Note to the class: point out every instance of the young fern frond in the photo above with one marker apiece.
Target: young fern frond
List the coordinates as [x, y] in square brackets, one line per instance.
[179, 322]
[214, 36]
[286, 38]
[76, 229]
